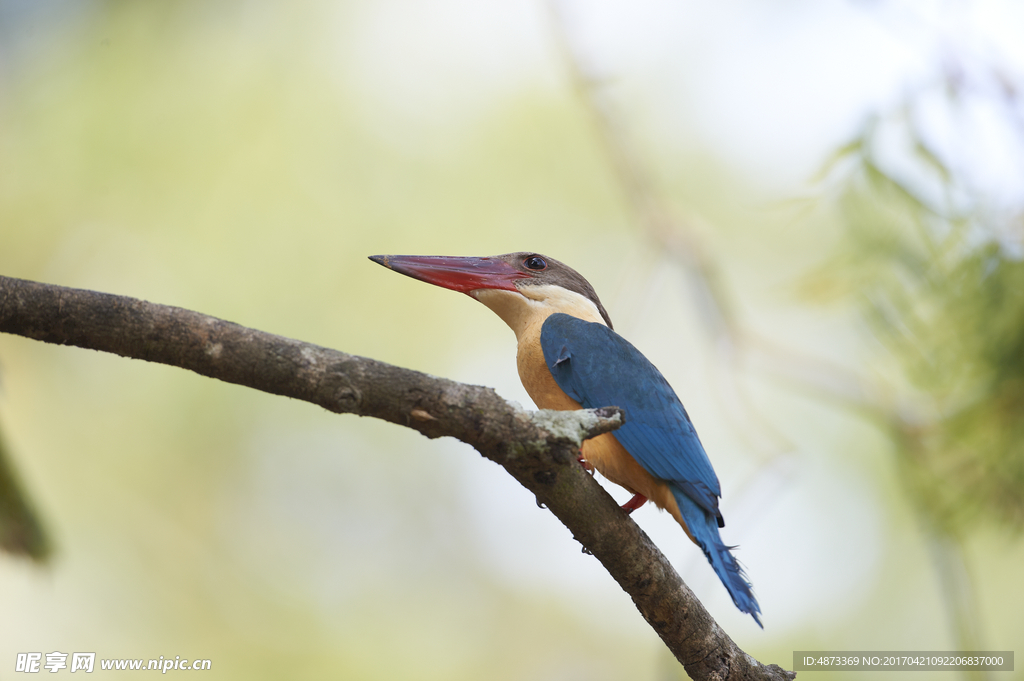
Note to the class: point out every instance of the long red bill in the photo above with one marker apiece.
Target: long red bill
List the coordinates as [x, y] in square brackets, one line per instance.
[455, 273]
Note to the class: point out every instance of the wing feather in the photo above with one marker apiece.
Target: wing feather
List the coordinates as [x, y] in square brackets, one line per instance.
[599, 368]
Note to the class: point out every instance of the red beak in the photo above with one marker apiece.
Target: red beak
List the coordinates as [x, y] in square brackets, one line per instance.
[455, 273]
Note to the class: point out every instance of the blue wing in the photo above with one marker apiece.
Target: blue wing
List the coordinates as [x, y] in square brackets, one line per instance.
[599, 368]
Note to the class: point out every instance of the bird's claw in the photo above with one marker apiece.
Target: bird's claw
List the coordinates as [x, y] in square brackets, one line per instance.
[636, 502]
[587, 466]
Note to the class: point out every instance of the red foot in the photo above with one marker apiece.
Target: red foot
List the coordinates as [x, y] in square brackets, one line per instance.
[636, 502]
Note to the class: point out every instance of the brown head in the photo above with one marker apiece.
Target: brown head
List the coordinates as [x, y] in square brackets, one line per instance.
[536, 278]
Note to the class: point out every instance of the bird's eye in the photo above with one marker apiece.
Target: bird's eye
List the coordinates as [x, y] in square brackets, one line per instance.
[535, 262]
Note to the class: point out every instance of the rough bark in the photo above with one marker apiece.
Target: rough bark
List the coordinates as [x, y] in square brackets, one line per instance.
[538, 449]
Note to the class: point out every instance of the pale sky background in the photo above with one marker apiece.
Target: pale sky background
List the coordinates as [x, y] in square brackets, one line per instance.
[774, 87]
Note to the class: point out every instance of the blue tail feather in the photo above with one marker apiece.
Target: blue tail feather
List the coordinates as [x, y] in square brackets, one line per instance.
[704, 528]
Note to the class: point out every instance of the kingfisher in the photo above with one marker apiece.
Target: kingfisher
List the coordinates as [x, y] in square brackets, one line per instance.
[569, 357]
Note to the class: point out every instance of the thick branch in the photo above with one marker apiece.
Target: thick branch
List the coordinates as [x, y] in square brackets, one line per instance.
[539, 449]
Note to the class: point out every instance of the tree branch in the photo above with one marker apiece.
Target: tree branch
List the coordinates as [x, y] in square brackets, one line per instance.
[538, 449]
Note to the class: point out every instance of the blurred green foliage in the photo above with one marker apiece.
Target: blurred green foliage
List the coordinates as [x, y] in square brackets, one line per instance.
[21, 531]
[945, 295]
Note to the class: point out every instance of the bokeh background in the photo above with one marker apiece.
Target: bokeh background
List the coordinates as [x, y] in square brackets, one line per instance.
[806, 213]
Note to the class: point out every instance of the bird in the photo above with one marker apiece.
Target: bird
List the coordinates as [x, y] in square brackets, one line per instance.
[569, 357]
